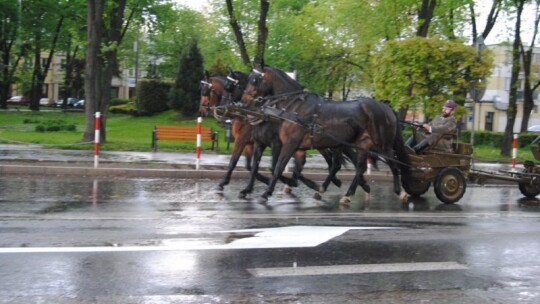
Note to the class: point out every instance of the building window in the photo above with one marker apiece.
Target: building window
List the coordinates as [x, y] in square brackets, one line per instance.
[489, 121]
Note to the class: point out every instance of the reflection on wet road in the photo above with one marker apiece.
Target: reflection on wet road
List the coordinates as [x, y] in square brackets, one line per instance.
[163, 240]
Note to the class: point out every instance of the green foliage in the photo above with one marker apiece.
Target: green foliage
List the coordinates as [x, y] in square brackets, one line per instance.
[126, 108]
[421, 72]
[152, 96]
[55, 126]
[119, 101]
[184, 95]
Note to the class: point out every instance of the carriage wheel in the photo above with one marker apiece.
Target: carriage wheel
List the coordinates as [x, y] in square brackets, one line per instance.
[413, 186]
[450, 185]
[530, 189]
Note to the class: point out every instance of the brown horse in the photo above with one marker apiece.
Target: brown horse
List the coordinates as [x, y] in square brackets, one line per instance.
[213, 91]
[310, 122]
[220, 92]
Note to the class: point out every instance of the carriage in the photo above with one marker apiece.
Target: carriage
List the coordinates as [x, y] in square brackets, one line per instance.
[450, 171]
[447, 171]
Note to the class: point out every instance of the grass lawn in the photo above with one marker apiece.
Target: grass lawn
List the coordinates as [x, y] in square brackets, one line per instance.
[128, 133]
[124, 132]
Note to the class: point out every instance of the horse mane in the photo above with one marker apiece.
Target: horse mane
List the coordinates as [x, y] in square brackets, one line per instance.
[284, 77]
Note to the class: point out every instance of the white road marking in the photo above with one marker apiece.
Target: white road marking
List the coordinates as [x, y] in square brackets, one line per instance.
[279, 237]
[354, 269]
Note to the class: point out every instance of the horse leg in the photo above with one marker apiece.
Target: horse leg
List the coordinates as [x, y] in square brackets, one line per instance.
[334, 161]
[248, 153]
[237, 152]
[258, 150]
[299, 162]
[361, 167]
[285, 155]
[276, 148]
[395, 172]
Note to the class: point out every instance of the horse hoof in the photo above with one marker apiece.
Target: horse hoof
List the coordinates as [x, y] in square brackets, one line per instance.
[287, 190]
[317, 196]
[262, 200]
[220, 187]
[404, 197]
[345, 200]
[337, 182]
[242, 195]
[321, 189]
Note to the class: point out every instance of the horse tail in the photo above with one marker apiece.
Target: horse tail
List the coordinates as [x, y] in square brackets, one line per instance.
[401, 152]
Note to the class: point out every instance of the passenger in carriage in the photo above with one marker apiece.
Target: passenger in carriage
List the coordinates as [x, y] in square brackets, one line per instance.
[438, 134]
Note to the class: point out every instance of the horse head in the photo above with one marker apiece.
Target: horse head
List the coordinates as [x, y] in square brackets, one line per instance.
[267, 81]
[205, 90]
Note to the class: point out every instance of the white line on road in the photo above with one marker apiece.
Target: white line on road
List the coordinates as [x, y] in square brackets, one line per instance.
[354, 269]
[275, 237]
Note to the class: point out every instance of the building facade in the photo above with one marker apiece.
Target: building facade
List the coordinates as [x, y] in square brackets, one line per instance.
[489, 113]
[122, 87]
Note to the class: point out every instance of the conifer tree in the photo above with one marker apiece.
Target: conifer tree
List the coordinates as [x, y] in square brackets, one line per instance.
[185, 94]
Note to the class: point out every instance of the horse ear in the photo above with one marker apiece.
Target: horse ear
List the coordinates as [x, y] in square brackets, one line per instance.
[206, 74]
[229, 69]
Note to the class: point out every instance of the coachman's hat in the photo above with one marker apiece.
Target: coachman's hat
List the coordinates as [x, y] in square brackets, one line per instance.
[450, 105]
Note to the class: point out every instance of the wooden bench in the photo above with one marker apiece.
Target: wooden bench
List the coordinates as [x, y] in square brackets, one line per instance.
[183, 133]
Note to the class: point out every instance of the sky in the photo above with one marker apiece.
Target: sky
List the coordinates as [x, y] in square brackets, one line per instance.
[194, 4]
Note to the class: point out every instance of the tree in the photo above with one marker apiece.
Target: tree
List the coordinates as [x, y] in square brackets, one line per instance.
[530, 84]
[514, 81]
[106, 29]
[10, 13]
[185, 93]
[42, 26]
[423, 72]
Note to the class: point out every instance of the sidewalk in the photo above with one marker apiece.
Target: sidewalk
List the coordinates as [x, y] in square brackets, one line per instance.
[33, 159]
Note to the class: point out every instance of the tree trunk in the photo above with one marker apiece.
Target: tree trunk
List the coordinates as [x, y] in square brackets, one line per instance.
[263, 33]
[425, 14]
[528, 90]
[103, 73]
[238, 34]
[92, 80]
[514, 84]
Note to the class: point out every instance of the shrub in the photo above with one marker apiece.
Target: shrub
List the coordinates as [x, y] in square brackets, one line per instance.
[118, 101]
[127, 108]
[30, 121]
[152, 94]
[55, 126]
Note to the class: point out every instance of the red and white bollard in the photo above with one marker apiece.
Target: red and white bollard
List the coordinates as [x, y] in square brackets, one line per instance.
[96, 139]
[514, 151]
[199, 140]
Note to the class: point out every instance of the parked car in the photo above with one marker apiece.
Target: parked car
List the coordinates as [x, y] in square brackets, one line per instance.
[535, 129]
[45, 102]
[18, 100]
[70, 102]
[79, 104]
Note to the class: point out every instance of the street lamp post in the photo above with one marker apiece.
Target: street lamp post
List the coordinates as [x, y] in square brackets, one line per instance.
[477, 92]
[479, 87]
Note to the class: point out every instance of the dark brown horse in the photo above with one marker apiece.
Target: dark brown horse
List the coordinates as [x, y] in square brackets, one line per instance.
[310, 122]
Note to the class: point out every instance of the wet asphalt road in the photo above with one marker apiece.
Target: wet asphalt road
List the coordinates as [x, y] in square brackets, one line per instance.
[119, 240]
